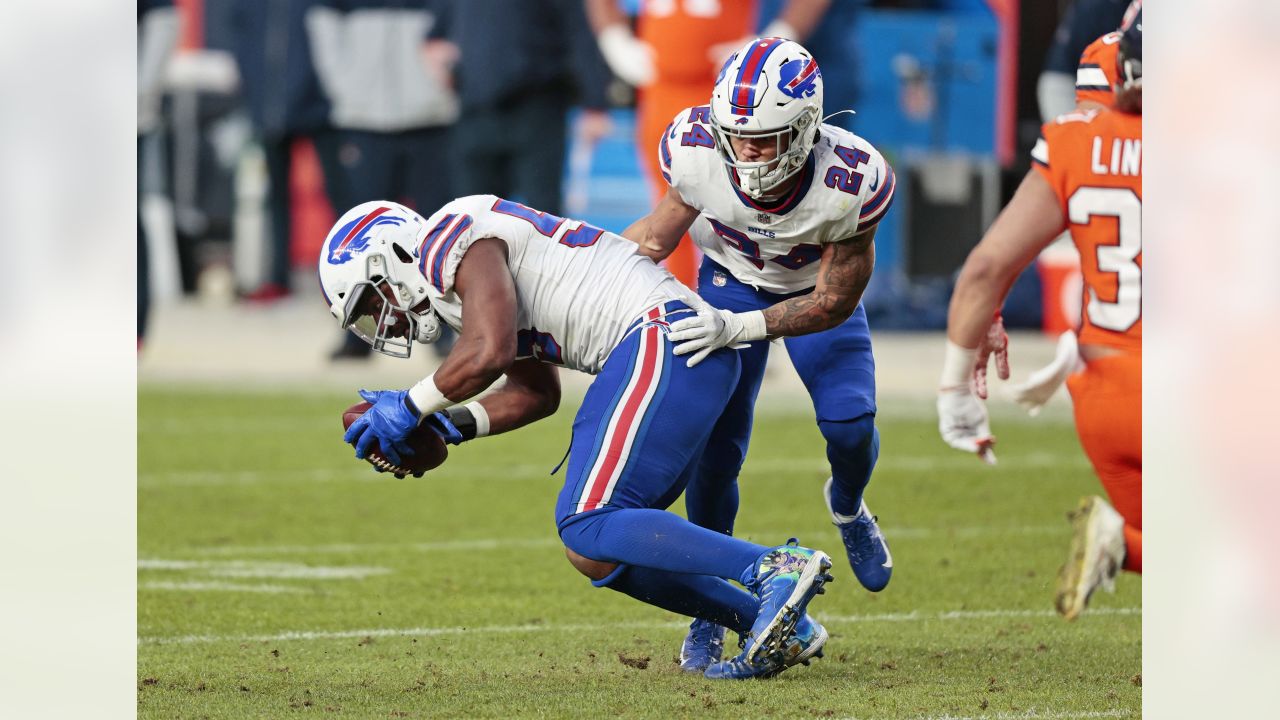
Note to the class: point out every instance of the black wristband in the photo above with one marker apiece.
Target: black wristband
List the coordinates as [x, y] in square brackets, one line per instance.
[462, 419]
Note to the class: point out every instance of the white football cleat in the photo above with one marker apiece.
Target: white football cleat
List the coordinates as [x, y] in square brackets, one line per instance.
[1096, 555]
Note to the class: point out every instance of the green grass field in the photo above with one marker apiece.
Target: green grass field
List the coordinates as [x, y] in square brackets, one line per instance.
[279, 577]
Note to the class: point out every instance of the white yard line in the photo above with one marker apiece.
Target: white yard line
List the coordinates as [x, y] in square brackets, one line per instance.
[917, 616]
[345, 548]
[258, 425]
[218, 587]
[252, 569]
[1025, 715]
[355, 472]
[946, 616]
[899, 533]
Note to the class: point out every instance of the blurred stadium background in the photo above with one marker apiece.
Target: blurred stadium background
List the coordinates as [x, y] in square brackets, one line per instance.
[946, 88]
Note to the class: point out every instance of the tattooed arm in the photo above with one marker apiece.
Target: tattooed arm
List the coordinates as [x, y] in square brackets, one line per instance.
[843, 273]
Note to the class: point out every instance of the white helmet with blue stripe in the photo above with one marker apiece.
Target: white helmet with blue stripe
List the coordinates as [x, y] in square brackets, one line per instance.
[370, 279]
[771, 87]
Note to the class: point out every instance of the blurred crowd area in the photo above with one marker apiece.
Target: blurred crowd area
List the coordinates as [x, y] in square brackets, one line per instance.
[261, 120]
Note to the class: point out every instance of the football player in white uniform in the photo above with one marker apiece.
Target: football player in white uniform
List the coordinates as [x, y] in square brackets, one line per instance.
[785, 209]
[528, 291]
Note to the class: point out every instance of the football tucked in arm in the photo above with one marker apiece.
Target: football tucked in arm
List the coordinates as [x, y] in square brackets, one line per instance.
[429, 450]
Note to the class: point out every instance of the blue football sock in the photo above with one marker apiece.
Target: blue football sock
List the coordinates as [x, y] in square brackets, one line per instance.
[711, 499]
[852, 449]
[700, 596]
[657, 539]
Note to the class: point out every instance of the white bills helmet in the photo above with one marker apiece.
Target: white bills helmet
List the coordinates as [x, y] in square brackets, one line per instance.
[370, 279]
[770, 87]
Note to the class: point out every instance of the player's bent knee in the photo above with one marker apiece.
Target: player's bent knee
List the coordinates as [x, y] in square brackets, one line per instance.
[849, 435]
[594, 569]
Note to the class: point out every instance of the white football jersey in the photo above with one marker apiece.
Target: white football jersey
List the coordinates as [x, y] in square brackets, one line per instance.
[578, 288]
[845, 187]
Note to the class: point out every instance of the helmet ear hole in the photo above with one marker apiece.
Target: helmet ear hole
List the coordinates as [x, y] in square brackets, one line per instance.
[402, 254]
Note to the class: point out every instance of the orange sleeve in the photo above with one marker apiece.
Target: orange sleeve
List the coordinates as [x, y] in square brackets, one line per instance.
[1050, 160]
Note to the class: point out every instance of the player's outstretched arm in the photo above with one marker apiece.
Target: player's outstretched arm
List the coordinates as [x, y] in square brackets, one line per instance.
[1025, 227]
[486, 345]
[843, 273]
[659, 232]
[1029, 223]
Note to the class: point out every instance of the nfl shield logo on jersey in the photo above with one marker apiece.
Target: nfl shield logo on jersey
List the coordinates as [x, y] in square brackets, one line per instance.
[718, 279]
[764, 218]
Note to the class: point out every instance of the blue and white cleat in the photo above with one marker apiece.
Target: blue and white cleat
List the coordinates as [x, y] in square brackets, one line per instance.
[806, 644]
[702, 647]
[787, 578]
[864, 543]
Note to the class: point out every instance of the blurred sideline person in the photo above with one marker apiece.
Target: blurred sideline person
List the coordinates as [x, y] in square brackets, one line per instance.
[392, 114]
[785, 209]
[286, 105]
[528, 291]
[157, 37]
[1086, 176]
[1082, 23]
[674, 58]
[516, 65]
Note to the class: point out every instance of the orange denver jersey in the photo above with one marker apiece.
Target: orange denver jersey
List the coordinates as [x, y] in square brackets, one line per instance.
[1096, 73]
[1093, 161]
[682, 31]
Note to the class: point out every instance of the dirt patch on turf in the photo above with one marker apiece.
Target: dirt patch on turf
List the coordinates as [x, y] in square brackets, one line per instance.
[639, 663]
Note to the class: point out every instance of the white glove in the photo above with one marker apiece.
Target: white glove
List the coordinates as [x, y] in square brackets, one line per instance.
[629, 58]
[995, 343]
[1043, 383]
[962, 420]
[712, 329]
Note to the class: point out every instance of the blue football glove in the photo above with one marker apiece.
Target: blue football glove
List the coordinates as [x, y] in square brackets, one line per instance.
[389, 422]
[441, 425]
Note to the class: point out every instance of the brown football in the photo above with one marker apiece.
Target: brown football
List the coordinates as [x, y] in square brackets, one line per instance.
[429, 449]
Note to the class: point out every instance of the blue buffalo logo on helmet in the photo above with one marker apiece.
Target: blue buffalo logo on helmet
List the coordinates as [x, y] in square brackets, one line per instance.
[725, 67]
[799, 78]
[353, 238]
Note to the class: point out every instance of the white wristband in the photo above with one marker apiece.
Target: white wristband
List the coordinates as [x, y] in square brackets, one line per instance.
[753, 326]
[957, 366]
[428, 398]
[779, 28]
[481, 417]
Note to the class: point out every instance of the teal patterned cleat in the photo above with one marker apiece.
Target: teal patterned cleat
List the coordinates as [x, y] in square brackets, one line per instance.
[787, 578]
[806, 644]
[702, 647]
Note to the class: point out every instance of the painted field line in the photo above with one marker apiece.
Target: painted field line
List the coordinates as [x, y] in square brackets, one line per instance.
[218, 587]
[951, 615]
[354, 472]
[917, 616]
[258, 569]
[344, 548]
[1027, 715]
[903, 533]
[239, 426]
